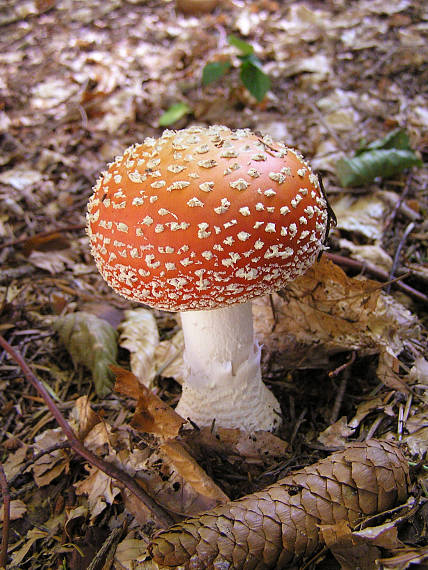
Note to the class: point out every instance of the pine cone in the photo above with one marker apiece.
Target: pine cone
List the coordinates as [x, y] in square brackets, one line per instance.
[278, 527]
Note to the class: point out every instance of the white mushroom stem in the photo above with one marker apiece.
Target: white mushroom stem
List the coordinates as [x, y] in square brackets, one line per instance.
[223, 371]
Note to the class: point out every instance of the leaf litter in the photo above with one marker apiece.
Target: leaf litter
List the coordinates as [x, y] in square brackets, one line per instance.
[79, 84]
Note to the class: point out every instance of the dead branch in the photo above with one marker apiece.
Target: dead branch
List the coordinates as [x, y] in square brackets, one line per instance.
[377, 274]
[161, 517]
[6, 517]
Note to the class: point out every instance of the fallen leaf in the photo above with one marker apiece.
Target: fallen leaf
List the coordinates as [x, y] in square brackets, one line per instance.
[406, 557]
[350, 552]
[52, 261]
[12, 465]
[168, 358]
[139, 334]
[130, 551]
[92, 342]
[100, 489]
[84, 417]
[337, 434]
[53, 464]
[152, 415]
[373, 254]
[17, 510]
[209, 494]
[31, 537]
[52, 242]
[21, 177]
[325, 311]
[175, 480]
[362, 214]
[388, 371]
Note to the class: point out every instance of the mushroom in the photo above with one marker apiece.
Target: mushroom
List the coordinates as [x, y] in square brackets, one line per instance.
[201, 221]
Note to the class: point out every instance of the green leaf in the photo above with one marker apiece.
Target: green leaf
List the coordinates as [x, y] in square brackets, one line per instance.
[365, 167]
[244, 47]
[214, 70]
[174, 113]
[91, 341]
[397, 138]
[254, 79]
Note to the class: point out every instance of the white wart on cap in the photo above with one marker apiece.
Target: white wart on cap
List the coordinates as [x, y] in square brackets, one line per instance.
[204, 218]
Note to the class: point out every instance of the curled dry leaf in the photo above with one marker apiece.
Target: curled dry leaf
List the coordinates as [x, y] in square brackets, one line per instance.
[325, 311]
[129, 551]
[169, 357]
[139, 334]
[336, 435]
[149, 356]
[17, 510]
[152, 415]
[92, 342]
[100, 490]
[280, 525]
[350, 552]
[405, 558]
[49, 466]
[170, 474]
[256, 448]
[83, 417]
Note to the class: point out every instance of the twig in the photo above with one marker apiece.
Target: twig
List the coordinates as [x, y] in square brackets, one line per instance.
[6, 517]
[298, 424]
[398, 204]
[377, 273]
[111, 542]
[343, 366]
[274, 313]
[162, 518]
[404, 237]
[342, 387]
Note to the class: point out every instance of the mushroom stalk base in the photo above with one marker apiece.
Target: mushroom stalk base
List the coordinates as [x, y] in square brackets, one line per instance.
[223, 380]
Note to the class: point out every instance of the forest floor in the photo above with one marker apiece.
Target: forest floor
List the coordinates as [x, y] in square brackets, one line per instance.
[81, 81]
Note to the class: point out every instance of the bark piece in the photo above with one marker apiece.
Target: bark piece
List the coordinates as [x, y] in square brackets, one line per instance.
[279, 526]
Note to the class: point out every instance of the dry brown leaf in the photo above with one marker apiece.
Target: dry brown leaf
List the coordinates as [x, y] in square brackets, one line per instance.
[364, 409]
[17, 510]
[325, 311]
[126, 382]
[52, 242]
[139, 334]
[170, 474]
[406, 557]
[388, 371]
[255, 448]
[350, 552]
[100, 438]
[51, 465]
[100, 490]
[169, 357]
[83, 417]
[194, 475]
[324, 308]
[178, 484]
[152, 415]
[336, 435]
[129, 552]
[13, 464]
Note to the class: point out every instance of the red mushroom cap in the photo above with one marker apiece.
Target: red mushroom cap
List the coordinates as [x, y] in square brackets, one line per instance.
[205, 217]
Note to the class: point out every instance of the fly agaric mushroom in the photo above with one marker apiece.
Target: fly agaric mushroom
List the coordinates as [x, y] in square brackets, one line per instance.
[201, 221]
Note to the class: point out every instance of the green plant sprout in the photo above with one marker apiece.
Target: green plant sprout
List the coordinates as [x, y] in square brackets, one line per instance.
[173, 114]
[251, 73]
